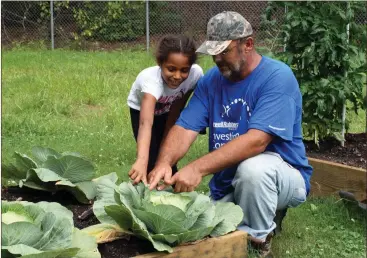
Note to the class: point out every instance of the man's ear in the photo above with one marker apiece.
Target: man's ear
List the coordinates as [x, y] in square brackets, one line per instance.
[249, 44]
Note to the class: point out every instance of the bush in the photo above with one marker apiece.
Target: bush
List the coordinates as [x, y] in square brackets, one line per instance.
[329, 65]
[111, 21]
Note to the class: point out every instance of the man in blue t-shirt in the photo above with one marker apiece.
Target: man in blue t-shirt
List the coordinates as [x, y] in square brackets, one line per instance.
[253, 108]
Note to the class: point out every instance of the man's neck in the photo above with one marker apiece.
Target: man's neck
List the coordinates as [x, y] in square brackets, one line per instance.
[253, 60]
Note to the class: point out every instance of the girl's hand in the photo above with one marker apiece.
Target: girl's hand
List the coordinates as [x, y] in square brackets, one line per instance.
[138, 172]
[161, 171]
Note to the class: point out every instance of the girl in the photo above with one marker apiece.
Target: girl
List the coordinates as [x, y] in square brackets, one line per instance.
[157, 97]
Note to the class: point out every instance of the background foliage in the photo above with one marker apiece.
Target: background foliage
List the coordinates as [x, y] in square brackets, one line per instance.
[329, 64]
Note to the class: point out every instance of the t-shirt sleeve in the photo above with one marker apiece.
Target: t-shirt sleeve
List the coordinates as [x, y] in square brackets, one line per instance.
[197, 74]
[274, 114]
[151, 86]
[195, 116]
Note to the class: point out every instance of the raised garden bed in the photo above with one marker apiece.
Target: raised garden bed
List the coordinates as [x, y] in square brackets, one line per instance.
[339, 168]
[353, 154]
[330, 177]
[232, 245]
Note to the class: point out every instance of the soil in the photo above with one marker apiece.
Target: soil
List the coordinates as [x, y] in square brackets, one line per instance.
[353, 154]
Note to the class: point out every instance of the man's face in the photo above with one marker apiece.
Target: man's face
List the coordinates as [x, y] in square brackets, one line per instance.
[231, 61]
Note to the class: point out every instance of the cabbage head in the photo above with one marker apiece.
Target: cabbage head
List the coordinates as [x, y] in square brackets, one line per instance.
[49, 170]
[164, 218]
[42, 230]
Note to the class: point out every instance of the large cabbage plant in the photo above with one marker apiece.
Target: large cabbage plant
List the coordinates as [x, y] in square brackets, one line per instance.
[49, 170]
[42, 230]
[164, 218]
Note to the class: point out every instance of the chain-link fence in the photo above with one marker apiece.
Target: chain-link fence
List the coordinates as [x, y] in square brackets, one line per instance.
[94, 25]
[113, 25]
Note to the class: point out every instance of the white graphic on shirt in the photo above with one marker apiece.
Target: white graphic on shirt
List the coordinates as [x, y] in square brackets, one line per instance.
[227, 108]
[229, 122]
[277, 128]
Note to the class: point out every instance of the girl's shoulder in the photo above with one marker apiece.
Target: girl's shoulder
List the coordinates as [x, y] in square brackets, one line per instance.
[149, 78]
[150, 73]
[196, 69]
[196, 72]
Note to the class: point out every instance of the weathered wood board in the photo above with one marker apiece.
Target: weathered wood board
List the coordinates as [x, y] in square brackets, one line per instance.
[329, 178]
[233, 245]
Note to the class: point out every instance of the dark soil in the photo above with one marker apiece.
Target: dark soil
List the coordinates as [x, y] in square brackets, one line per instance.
[125, 248]
[354, 153]
[117, 249]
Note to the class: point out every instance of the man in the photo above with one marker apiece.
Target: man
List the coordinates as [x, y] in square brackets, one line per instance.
[253, 108]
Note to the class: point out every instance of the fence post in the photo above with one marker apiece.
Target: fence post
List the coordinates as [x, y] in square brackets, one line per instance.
[344, 104]
[147, 22]
[52, 23]
[285, 13]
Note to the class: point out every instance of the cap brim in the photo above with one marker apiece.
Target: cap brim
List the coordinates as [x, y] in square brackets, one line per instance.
[213, 47]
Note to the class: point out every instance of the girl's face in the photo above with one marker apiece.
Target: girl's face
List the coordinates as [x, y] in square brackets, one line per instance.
[175, 70]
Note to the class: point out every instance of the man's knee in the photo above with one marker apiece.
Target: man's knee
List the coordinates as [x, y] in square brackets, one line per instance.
[255, 170]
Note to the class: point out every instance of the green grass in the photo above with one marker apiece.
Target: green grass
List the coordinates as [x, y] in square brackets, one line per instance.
[76, 101]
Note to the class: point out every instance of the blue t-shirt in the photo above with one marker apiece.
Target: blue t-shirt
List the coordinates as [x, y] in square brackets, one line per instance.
[269, 99]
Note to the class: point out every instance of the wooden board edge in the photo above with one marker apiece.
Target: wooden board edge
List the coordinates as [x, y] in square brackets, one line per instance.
[329, 178]
[234, 237]
[326, 162]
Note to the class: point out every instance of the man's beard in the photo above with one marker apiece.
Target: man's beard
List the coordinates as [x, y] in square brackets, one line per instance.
[232, 72]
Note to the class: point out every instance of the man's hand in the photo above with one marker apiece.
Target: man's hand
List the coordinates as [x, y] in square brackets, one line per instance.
[161, 171]
[138, 172]
[186, 179]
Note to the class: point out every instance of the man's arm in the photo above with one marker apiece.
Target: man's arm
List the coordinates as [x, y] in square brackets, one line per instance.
[241, 148]
[174, 147]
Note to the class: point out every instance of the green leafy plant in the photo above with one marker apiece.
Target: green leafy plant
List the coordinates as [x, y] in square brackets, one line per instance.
[42, 230]
[53, 171]
[164, 218]
[329, 64]
[110, 21]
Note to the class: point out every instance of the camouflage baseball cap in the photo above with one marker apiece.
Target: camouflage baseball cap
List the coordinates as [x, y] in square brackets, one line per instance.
[222, 29]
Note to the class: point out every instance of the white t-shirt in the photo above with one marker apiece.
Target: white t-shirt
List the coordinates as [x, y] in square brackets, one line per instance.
[150, 81]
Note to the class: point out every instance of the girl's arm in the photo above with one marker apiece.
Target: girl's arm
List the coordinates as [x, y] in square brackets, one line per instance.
[175, 112]
[139, 170]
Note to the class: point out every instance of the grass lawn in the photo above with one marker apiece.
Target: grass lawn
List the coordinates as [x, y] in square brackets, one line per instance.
[76, 101]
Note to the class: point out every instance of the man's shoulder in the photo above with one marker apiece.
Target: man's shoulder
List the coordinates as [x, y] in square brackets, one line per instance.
[278, 77]
[212, 74]
[209, 78]
[274, 64]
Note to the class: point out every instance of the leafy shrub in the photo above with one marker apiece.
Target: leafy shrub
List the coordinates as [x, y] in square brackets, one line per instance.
[163, 18]
[111, 21]
[329, 66]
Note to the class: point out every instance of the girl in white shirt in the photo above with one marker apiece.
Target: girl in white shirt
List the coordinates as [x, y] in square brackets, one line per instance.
[157, 97]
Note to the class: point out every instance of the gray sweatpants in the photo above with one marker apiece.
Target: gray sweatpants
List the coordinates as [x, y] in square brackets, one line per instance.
[263, 184]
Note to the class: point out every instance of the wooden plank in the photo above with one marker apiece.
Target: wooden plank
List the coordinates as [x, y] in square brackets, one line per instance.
[233, 245]
[329, 178]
